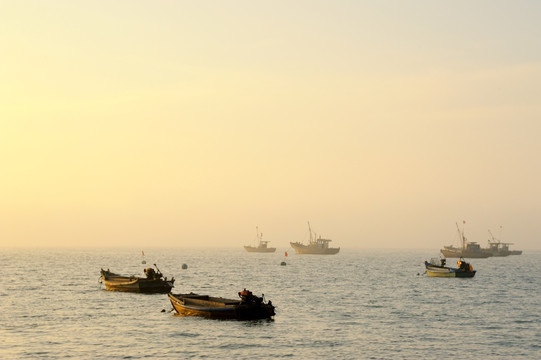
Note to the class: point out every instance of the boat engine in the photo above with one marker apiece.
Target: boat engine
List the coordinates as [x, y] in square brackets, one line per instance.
[464, 266]
[249, 298]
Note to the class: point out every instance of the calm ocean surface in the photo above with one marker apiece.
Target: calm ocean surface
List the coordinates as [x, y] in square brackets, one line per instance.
[354, 305]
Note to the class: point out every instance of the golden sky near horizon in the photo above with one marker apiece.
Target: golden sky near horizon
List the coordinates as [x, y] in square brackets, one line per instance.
[178, 123]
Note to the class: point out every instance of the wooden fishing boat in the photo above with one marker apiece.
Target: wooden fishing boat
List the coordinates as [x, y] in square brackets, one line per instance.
[248, 307]
[154, 282]
[315, 246]
[440, 270]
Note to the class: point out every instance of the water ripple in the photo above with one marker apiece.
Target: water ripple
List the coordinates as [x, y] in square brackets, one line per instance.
[369, 305]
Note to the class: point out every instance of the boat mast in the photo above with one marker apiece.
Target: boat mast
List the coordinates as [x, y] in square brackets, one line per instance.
[310, 231]
[258, 237]
[461, 234]
[493, 238]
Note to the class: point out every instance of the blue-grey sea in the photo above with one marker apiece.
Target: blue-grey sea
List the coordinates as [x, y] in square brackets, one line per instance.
[359, 304]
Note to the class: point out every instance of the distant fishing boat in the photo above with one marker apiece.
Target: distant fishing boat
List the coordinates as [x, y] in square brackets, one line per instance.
[154, 282]
[469, 249]
[248, 307]
[433, 269]
[316, 245]
[262, 246]
[498, 248]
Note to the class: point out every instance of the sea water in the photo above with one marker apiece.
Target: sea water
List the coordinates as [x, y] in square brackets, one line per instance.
[359, 304]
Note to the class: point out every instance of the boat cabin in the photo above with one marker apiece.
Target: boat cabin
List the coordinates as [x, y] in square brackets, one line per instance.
[473, 246]
[322, 243]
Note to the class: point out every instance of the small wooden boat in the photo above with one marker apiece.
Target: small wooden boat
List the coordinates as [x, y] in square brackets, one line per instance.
[249, 307]
[434, 270]
[154, 282]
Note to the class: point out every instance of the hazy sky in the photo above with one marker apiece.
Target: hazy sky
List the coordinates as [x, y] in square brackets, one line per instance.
[189, 123]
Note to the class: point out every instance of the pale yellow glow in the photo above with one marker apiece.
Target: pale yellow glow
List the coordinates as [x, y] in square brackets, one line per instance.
[189, 123]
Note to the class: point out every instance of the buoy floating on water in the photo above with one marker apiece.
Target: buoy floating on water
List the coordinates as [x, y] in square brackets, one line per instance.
[283, 263]
[184, 266]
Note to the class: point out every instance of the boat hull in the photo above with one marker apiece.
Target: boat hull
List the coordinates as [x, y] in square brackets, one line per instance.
[259, 249]
[302, 249]
[114, 282]
[219, 308]
[458, 253]
[501, 254]
[442, 271]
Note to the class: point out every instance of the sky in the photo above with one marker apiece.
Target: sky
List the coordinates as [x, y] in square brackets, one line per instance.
[189, 123]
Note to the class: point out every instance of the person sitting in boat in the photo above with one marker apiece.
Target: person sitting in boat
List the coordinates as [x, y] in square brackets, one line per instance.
[152, 274]
[443, 262]
[149, 272]
[467, 267]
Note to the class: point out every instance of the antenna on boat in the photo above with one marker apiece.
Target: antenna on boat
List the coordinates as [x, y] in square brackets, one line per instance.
[158, 269]
[258, 236]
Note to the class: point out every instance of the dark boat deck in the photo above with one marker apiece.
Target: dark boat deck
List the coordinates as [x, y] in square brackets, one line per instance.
[153, 285]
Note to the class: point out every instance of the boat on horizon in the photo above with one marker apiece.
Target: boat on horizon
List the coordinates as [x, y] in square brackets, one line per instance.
[433, 269]
[262, 246]
[469, 249]
[153, 283]
[499, 248]
[316, 245]
[248, 307]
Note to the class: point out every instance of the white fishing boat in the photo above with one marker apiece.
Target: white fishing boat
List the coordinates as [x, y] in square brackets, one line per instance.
[469, 249]
[499, 248]
[315, 246]
[261, 246]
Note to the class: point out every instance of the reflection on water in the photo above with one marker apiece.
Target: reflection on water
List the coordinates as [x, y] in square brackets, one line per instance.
[357, 304]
